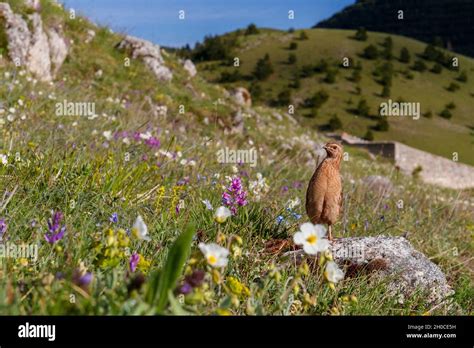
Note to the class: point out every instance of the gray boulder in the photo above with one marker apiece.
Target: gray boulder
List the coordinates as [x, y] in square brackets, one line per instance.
[41, 52]
[394, 260]
[39, 61]
[190, 68]
[149, 53]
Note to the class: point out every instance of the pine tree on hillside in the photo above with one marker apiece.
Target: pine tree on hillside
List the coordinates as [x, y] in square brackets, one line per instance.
[361, 34]
[264, 68]
[251, 30]
[404, 55]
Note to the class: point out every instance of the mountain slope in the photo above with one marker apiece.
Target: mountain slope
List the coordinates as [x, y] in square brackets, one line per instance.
[431, 133]
[425, 20]
[150, 149]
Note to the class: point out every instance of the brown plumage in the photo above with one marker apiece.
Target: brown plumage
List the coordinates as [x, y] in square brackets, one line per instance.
[324, 195]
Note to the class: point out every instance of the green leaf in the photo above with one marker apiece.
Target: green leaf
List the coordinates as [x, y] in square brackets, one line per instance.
[165, 281]
[175, 307]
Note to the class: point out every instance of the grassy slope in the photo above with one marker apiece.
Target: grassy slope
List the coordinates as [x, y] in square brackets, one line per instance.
[66, 164]
[436, 135]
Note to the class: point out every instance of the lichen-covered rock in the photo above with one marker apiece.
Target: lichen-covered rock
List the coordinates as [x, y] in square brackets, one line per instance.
[406, 269]
[190, 67]
[242, 97]
[391, 259]
[149, 53]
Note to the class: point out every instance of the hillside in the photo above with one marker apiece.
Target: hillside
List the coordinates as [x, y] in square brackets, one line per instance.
[427, 20]
[322, 54]
[109, 169]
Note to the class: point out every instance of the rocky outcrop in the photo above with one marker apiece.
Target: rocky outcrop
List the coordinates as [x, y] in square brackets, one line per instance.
[41, 52]
[38, 59]
[18, 34]
[190, 68]
[242, 97]
[33, 4]
[58, 49]
[393, 260]
[149, 53]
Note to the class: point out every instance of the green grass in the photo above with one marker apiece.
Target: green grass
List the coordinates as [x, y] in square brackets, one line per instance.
[436, 135]
[66, 164]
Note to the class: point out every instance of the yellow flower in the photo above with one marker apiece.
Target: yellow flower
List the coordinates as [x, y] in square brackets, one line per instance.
[223, 312]
[143, 264]
[237, 288]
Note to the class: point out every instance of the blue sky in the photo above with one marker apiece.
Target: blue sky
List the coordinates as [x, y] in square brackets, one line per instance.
[157, 20]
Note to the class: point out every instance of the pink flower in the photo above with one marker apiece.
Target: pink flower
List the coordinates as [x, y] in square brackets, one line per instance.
[235, 196]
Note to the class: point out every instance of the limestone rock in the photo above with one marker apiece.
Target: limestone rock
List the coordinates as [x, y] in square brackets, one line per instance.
[33, 4]
[149, 53]
[237, 122]
[58, 49]
[38, 59]
[405, 268]
[190, 67]
[18, 34]
[41, 52]
[394, 260]
[90, 36]
[242, 97]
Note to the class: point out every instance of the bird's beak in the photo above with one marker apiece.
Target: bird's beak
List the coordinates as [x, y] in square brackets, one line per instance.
[325, 148]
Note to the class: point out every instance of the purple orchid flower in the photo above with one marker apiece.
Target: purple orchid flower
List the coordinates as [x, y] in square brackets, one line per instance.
[134, 261]
[56, 231]
[234, 196]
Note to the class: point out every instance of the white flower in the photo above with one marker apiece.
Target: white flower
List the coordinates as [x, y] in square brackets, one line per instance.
[312, 237]
[221, 214]
[207, 204]
[333, 273]
[107, 135]
[145, 136]
[3, 159]
[140, 230]
[215, 255]
[259, 186]
[292, 203]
